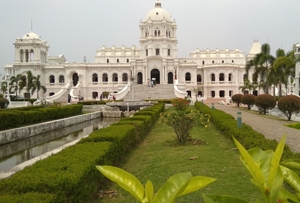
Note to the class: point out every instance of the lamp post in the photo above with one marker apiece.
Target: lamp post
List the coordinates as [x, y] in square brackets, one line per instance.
[239, 119]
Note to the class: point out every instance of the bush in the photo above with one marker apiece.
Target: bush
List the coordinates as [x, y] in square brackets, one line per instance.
[265, 102]
[236, 99]
[288, 105]
[248, 99]
[180, 104]
[3, 103]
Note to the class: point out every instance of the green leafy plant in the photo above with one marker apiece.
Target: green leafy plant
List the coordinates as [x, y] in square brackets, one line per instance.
[237, 99]
[177, 185]
[180, 104]
[183, 122]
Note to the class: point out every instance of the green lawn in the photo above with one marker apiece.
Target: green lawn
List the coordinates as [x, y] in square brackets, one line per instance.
[157, 158]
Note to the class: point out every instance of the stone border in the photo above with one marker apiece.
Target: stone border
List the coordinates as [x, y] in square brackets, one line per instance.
[32, 130]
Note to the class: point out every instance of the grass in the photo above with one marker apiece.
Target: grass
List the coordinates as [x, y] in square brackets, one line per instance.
[294, 125]
[157, 159]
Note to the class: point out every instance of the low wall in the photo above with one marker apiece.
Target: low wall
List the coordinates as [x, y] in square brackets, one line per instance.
[15, 104]
[32, 130]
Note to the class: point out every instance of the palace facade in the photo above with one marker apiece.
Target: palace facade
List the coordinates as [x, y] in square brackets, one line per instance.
[214, 74]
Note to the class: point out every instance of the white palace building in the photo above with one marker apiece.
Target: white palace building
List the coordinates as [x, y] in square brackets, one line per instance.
[216, 74]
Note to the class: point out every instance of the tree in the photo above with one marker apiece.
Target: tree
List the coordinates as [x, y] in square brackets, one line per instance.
[4, 87]
[265, 102]
[288, 105]
[37, 86]
[29, 83]
[248, 99]
[261, 63]
[17, 83]
[236, 99]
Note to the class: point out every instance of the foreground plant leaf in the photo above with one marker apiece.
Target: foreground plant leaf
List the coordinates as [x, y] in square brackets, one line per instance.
[222, 199]
[174, 186]
[125, 180]
[149, 191]
[196, 183]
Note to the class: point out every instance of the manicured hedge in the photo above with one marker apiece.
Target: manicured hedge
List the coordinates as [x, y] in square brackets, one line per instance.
[70, 175]
[12, 118]
[248, 137]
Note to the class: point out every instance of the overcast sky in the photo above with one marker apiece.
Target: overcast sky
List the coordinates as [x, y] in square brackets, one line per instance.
[77, 28]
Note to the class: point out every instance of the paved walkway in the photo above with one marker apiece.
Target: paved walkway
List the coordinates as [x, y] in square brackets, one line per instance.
[270, 128]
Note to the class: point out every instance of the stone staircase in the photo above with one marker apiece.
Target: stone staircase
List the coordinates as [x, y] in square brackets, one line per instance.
[143, 92]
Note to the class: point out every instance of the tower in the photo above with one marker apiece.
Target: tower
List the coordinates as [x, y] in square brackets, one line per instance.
[158, 33]
[297, 69]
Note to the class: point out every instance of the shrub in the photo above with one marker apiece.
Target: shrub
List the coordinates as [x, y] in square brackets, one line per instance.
[265, 102]
[288, 105]
[236, 99]
[248, 99]
[3, 103]
[180, 104]
[183, 122]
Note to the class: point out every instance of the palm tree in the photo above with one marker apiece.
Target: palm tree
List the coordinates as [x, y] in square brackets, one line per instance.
[17, 83]
[4, 87]
[282, 68]
[37, 86]
[261, 63]
[29, 83]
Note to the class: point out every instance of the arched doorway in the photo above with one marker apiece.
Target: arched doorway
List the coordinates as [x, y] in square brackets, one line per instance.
[140, 78]
[75, 79]
[189, 93]
[155, 74]
[170, 78]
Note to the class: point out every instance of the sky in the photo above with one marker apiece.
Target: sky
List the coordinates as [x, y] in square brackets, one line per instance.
[77, 28]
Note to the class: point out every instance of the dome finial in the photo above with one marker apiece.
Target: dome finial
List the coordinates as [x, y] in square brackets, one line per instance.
[157, 4]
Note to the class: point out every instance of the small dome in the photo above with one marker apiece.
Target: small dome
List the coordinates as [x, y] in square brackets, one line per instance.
[31, 35]
[158, 13]
[256, 48]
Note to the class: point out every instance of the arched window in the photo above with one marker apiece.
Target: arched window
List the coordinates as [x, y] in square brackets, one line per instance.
[21, 55]
[221, 93]
[188, 76]
[146, 33]
[51, 79]
[104, 77]
[31, 55]
[61, 79]
[115, 77]
[26, 55]
[95, 95]
[221, 77]
[199, 78]
[213, 94]
[124, 77]
[94, 77]
[229, 77]
[212, 77]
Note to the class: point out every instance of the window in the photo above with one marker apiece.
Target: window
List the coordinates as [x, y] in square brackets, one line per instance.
[146, 52]
[51, 79]
[229, 77]
[127, 60]
[212, 77]
[95, 95]
[230, 93]
[213, 61]
[95, 78]
[222, 61]
[107, 60]
[232, 61]
[187, 76]
[61, 79]
[221, 93]
[199, 78]
[213, 94]
[117, 60]
[203, 62]
[157, 51]
[104, 78]
[124, 77]
[221, 77]
[115, 77]
[169, 52]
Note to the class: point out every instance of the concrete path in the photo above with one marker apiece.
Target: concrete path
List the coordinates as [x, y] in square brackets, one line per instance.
[271, 128]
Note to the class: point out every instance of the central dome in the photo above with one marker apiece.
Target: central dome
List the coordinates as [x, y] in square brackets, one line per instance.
[31, 35]
[158, 13]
